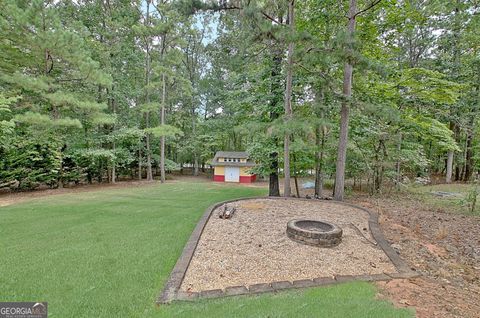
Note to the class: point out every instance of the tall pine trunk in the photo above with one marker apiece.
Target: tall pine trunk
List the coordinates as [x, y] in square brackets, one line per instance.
[113, 107]
[469, 150]
[456, 71]
[147, 97]
[273, 186]
[288, 102]
[194, 133]
[140, 158]
[162, 140]
[320, 145]
[114, 170]
[458, 169]
[344, 112]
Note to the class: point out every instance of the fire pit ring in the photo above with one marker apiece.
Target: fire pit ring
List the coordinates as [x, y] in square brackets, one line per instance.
[316, 233]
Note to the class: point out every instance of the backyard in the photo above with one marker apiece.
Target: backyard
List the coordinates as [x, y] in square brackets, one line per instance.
[108, 252]
[237, 158]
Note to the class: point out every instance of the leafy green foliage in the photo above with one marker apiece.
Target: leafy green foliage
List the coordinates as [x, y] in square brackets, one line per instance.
[430, 129]
[88, 79]
[164, 131]
[26, 164]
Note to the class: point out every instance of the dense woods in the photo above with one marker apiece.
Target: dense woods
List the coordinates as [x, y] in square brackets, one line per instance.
[376, 92]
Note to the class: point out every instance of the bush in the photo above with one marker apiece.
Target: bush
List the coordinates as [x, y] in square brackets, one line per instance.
[28, 163]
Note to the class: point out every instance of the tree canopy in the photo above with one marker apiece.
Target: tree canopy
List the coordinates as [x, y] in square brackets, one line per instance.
[354, 89]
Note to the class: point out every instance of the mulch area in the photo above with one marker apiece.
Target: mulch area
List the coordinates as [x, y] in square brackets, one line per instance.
[443, 247]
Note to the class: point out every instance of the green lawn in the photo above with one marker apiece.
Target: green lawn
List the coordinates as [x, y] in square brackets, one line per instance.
[108, 253]
[458, 204]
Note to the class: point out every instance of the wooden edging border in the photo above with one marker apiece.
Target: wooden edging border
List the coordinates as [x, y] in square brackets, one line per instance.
[172, 291]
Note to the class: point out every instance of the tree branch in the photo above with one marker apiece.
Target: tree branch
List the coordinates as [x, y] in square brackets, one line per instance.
[224, 7]
[371, 5]
[271, 18]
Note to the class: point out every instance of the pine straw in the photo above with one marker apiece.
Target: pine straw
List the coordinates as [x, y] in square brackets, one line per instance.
[252, 247]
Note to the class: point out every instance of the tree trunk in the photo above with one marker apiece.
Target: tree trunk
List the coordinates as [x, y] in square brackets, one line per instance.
[113, 177]
[344, 112]
[114, 111]
[456, 134]
[464, 166]
[147, 97]
[288, 102]
[469, 153]
[194, 133]
[149, 153]
[295, 178]
[448, 178]
[195, 166]
[162, 140]
[398, 164]
[320, 144]
[140, 159]
[471, 130]
[274, 187]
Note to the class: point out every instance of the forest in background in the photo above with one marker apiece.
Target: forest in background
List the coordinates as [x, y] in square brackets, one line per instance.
[369, 90]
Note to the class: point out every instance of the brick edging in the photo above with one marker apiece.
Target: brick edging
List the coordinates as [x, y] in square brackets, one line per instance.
[172, 291]
[175, 279]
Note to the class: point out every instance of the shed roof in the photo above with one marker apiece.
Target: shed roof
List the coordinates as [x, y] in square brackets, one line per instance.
[232, 154]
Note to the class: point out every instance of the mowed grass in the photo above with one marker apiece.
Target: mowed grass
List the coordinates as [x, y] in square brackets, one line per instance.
[108, 253]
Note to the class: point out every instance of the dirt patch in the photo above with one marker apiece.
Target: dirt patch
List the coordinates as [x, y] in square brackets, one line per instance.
[252, 247]
[443, 247]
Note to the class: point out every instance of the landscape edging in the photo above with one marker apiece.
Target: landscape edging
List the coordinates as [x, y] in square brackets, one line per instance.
[171, 291]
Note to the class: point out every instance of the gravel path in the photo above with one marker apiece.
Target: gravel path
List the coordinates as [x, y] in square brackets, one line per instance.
[252, 247]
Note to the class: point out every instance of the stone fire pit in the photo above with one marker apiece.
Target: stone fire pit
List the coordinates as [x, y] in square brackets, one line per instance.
[316, 233]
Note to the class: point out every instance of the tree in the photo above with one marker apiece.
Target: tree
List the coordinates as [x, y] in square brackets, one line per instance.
[347, 93]
[288, 99]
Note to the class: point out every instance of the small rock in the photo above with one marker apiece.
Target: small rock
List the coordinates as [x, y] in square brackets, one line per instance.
[404, 302]
[397, 248]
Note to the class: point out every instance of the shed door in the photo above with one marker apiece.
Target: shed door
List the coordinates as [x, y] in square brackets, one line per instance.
[232, 174]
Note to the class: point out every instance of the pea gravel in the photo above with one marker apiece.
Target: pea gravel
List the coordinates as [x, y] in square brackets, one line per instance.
[253, 248]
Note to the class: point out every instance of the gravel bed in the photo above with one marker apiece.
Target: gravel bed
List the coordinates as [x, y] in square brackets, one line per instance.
[253, 248]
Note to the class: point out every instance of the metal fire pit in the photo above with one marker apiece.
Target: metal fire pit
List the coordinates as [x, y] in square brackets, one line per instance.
[316, 233]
